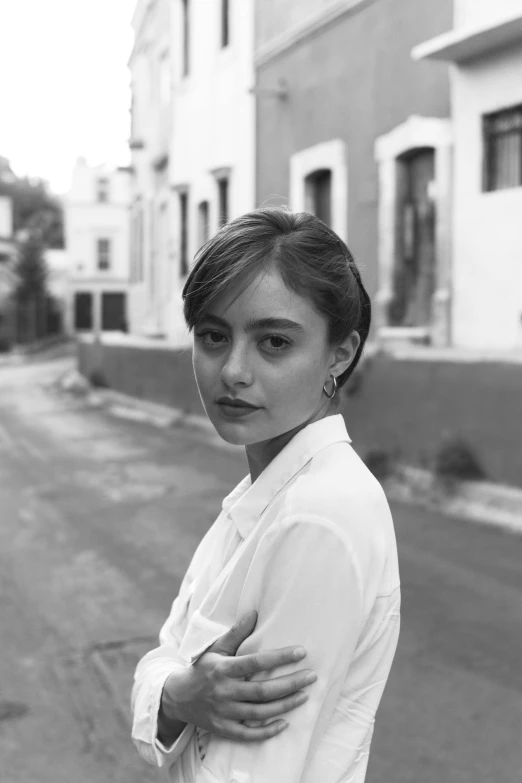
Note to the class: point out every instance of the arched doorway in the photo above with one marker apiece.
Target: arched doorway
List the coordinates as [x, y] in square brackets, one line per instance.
[415, 257]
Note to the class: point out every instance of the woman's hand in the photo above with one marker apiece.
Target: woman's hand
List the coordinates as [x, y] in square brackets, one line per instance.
[215, 694]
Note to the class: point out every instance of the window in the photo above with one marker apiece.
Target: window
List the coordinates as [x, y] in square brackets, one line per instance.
[225, 23]
[137, 245]
[502, 132]
[164, 79]
[222, 201]
[185, 28]
[183, 233]
[318, 187]
[104, 254]
[203, 218]
[102, 189]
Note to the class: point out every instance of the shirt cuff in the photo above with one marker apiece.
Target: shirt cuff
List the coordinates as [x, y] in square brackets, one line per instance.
[177, 747]
[161, 752]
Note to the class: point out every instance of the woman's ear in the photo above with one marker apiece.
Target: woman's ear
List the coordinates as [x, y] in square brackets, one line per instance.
[344, 354]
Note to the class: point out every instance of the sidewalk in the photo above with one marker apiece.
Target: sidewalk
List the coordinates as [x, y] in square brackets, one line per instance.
[477, 501]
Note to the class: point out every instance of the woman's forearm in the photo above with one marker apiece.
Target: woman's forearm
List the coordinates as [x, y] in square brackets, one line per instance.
[169, 726]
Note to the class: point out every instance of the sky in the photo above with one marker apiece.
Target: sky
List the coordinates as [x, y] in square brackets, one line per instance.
[64, 85]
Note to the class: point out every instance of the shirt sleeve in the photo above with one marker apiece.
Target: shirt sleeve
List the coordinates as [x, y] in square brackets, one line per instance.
[156, 666]
[150, 676]
[305, 583]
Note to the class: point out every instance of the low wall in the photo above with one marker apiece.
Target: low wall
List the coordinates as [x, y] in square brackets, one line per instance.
[401, 406]
[409, 407]
[158, 374]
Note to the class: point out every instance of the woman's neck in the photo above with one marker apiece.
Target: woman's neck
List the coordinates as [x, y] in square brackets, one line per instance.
[260, 455]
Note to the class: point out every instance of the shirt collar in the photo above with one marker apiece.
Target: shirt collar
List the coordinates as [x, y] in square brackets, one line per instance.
[247, 501]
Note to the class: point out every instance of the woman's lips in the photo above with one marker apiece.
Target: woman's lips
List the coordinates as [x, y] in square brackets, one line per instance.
[235, 411]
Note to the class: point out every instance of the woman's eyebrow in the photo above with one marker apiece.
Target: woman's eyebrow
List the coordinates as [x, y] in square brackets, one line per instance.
[257, 323]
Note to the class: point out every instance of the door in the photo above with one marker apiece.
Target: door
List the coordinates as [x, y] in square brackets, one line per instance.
[113, 313]
[318, 187]
[83, 311]
[414, 279]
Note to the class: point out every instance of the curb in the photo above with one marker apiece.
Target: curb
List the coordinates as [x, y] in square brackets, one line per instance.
[485, 503]
[124, 406]
[482, 502]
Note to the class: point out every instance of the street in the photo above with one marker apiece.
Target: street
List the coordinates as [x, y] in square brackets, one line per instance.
[99, 517]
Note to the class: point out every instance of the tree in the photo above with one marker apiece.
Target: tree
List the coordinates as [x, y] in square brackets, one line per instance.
[34, 208]
[31, 270]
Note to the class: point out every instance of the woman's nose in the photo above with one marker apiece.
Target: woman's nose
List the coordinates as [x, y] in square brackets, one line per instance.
[236, 369]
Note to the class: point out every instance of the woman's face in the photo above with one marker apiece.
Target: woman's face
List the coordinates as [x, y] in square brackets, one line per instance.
[268, 348]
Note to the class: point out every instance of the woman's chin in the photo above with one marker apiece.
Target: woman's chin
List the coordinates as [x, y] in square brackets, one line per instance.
[234, 432]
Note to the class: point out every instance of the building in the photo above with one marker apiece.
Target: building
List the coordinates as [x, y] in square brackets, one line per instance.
[485, 49]
[96, 213]
[150, 66]
[193, 146]
[351, 128]
[7, 263]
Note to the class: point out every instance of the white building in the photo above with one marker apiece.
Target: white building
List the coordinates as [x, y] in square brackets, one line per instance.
[7, 251]
[193, 144]
[151, 213]
[485, 50]
[96, 212]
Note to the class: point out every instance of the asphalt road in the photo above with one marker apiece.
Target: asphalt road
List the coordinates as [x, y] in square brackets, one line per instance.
[98, 519]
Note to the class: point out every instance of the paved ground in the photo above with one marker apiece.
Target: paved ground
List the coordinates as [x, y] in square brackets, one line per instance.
[98, 519]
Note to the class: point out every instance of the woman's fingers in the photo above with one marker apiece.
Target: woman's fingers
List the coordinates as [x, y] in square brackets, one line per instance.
[270, 690]
[246, 665]
[237, 731]
[249, 711]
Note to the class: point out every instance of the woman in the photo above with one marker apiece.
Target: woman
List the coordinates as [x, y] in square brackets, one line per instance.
[303, 552]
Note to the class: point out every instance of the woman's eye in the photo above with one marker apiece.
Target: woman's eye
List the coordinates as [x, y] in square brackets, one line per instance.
[277, 343]
[210, 338]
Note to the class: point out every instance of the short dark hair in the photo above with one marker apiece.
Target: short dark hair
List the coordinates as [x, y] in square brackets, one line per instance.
[312, 260]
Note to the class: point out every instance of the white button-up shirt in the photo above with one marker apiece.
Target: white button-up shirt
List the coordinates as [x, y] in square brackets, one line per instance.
[310, 546]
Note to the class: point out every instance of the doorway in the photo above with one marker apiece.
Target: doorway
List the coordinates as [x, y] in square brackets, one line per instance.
[83, 314]
[113, 315]
[415, 261]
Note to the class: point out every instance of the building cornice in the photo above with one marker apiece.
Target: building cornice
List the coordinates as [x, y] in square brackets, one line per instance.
[309, 27]
[464, 44]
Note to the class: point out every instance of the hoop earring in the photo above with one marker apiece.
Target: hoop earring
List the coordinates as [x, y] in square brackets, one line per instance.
[334, 390]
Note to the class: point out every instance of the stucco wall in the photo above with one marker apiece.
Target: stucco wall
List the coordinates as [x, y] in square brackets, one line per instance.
[214, 113]
[151, 77]
[487, 226]
[354, 81]
[274, 17]
[213, 128]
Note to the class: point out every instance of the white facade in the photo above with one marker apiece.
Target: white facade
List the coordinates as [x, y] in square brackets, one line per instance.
[486, 50]
[192, 143]
[151, 209]
[213, 128]
[96, 211]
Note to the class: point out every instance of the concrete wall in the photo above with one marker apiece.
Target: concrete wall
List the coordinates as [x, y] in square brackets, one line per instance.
[487, 226]
[353, 80]
[405, 408]
[158, 374]
[409, 407]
